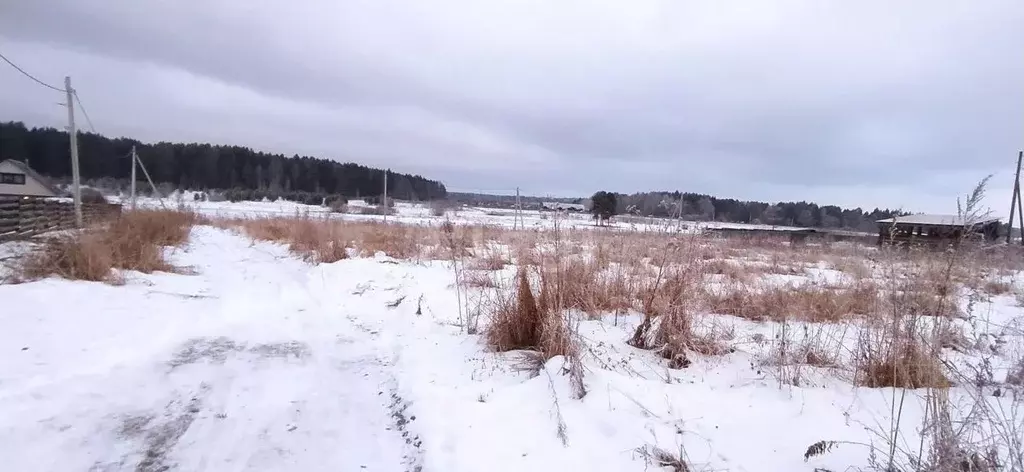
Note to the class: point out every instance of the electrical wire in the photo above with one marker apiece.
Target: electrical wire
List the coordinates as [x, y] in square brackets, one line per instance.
[82, 107]
[19, 69]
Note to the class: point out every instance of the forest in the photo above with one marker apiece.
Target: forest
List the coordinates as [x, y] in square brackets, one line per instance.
[700, 207]
[204, 166]
[695, 206]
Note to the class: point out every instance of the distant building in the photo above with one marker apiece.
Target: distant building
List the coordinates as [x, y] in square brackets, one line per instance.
[558, 206]
[935, 229]
[17, 178]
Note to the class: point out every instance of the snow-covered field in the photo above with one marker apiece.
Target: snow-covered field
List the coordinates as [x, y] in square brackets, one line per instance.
[256, 360]
[420, 214]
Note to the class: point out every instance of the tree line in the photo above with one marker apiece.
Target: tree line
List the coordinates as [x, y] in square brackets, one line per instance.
[695, 206]
[205, 166]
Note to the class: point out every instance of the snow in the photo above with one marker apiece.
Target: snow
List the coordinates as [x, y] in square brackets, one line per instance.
[406, 213]
[242, 367]
[259, 361]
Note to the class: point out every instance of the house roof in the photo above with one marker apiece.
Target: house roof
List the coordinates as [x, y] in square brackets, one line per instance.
[935, 220]
[45, 182]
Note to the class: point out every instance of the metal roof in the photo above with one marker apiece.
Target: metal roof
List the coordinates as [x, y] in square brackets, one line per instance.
[935, 220]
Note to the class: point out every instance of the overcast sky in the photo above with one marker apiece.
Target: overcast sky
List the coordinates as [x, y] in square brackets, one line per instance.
[867, 103]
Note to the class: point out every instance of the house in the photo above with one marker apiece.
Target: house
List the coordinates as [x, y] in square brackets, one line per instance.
[935, 229]
[559, 206]
[18, 179]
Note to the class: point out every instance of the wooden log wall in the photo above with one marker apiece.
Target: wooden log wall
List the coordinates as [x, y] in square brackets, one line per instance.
[24, 217]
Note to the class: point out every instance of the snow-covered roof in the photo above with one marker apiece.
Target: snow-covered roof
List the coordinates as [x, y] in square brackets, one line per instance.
[935, 220]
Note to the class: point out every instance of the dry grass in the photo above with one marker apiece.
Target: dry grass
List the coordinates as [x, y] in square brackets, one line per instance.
[562, 273]
[520, 322]
[83, 256]
[491, 259]
[733, 270]
[997, 287]
[320, 240]
[135, 241]
[312, 239]
[478, 279]
[901, 361]
[804, 302]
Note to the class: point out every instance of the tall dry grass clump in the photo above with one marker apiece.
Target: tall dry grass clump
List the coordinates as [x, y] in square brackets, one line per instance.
[545, 323]
[516, 322]
[134, 241]
[74, 257]
[669, 301]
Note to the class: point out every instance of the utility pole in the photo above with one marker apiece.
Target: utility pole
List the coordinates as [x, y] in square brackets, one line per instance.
[150, 180]
[515, 216]
[1020, 209]
[73, 133]
[135, 157]
[1015, 200]
[386, 209]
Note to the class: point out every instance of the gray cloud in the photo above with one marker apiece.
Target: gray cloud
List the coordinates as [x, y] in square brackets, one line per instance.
[861, 104]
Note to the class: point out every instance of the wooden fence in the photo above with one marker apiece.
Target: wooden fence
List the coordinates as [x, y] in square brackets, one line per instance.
[23, 217]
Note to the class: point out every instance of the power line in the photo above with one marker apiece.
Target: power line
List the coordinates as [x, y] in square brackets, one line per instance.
[85, 113]
[40, 82]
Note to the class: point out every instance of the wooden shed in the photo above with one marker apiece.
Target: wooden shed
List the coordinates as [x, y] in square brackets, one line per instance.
[935, 229]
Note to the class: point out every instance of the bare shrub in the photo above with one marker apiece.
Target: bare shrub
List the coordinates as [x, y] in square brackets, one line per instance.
[668, 302]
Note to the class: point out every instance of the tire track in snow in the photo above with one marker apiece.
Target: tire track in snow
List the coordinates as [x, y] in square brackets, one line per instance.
[398, 407]
[342, 410]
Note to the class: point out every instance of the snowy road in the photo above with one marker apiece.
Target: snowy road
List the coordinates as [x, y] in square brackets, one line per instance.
[255, 363]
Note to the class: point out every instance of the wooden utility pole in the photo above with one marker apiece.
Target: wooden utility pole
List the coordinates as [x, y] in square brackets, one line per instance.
[135, 158]
[73, 133]
[385, 202]
[1015, 202]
